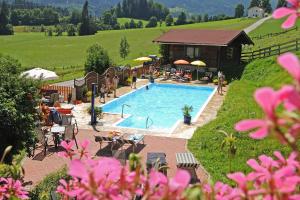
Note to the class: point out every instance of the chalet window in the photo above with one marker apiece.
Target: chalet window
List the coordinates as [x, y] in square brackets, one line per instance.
[197, 52]
[190, 52]
[229, 52]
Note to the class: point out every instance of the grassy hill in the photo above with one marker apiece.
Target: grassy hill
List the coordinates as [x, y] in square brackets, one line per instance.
[239, 104]
[122, 21]
[66, 55]
[272, 26]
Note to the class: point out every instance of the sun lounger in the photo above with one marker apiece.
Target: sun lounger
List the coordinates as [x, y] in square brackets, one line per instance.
[133, 140]
[102, 139]
[188, 162]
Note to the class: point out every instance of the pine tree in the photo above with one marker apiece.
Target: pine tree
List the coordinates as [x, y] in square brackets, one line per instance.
[124, 48]
[181, 19]
[5, 27]
[239, 11]
[84, 28]
[281, 3]
[254, 3]
[169, 20]
[205, 18]
[199, 18]
[265, 4]
[119, 10]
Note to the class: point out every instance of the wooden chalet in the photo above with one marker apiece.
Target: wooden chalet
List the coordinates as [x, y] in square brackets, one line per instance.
[216, 48]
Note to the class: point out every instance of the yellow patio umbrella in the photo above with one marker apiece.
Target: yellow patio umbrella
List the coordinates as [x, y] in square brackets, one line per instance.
[198, 63]
[143, 59]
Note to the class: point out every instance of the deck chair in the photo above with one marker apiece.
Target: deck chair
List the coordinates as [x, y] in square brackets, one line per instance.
[132, 141]
[101, 139]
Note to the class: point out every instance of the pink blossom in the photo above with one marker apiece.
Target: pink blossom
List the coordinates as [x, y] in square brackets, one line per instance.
[261, 125]
[292, 12]
[12, 188]
[69, 152]
[180, 181]
[291, 63]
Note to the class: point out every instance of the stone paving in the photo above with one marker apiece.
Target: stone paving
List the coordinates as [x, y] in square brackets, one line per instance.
[40, 166]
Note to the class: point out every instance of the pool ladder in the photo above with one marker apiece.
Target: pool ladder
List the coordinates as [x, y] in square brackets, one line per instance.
[147, 122]
[122, 115]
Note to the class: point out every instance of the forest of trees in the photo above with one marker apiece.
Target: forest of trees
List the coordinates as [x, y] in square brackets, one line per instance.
[141, 9]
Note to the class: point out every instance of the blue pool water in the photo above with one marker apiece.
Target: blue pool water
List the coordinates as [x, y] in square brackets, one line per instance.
[162, 103]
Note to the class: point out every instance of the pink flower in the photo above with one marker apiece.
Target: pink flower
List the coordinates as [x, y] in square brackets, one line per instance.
[291, 63]
[180, 181]
[292, 11]
[12, 188]
[269, 100]
[69, 152]
[260, 133]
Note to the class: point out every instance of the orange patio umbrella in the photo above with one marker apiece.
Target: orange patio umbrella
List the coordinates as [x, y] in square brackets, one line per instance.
[181, 62]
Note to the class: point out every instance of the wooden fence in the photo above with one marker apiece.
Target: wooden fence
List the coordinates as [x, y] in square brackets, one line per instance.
[293, 45]
[259, 37]
[62, 90]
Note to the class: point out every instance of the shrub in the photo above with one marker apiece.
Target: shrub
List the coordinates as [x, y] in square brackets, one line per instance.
[97, 59]
[48, 184]
[18, 100]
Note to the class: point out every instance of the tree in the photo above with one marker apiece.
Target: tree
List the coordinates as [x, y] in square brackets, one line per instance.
[152, 22]
[5, 27]
[199, 19]
[281, 3]
[71, 30]
[254, 3]
[132, 24]
[75, 17]
[181, 19]
[169, 20]
[124, 48]
[205, 18]
[239, 11]
[229, 143]
[265, 4]
[84, 27]
[140, 24]
[97, 59]
[18, 101]
[119, 10]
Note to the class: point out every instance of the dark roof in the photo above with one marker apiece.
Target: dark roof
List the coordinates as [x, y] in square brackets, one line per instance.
[203, 37]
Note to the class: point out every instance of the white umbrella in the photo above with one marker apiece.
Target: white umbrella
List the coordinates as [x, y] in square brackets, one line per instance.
[39, 73]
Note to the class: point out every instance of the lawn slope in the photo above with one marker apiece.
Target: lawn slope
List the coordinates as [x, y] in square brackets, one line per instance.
[60, 53]
[239, 104]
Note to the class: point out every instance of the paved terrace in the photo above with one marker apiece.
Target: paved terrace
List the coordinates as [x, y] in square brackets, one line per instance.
[40, 166]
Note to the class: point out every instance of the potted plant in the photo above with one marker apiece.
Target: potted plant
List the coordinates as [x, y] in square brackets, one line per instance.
[89, 96]
[98, 111]
[84, 94]
[187, 114]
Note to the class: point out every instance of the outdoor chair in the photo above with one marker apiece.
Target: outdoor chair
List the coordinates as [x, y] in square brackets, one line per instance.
[66, 119]
[70, 133]
[157, 161]
[54, 97]
[43, 138]
[188, 162]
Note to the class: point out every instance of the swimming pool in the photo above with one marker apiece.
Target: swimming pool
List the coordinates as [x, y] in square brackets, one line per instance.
[160, 105]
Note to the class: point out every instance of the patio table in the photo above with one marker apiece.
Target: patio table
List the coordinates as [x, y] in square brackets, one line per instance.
[56, 130]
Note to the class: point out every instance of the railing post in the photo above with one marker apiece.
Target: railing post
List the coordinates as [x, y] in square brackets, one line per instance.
[278, 49]
[296, 44]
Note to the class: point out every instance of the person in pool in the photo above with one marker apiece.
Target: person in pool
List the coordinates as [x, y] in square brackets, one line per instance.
[134, 78]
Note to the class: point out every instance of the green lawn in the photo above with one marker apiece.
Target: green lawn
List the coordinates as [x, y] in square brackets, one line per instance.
[122, 21]
[61, 53]
[239, 104]
[272, 26]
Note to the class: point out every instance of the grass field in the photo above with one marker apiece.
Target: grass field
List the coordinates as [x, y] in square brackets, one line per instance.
[272, 26]
[239, 104]
[122, 21]
[66, 55]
